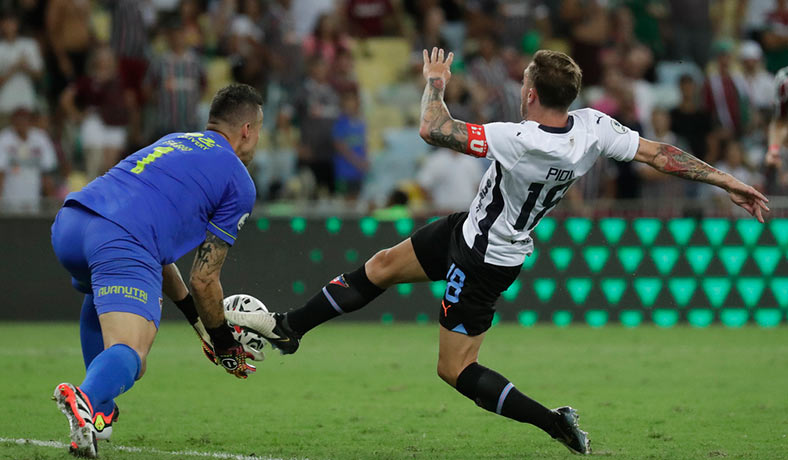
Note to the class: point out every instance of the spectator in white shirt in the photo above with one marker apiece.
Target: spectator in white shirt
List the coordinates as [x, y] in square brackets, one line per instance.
[20, 66]
[450, 179]
[27, 156]
[759, 82]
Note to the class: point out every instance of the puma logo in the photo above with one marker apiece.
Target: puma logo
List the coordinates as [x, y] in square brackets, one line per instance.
[445, 308]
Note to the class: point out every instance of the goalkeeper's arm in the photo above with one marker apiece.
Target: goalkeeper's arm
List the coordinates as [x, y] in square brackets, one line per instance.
[207, 291]
[173, 286]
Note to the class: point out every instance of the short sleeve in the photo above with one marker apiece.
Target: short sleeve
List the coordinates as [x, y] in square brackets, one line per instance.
[616, 140]
[234, 209]
[504, 142]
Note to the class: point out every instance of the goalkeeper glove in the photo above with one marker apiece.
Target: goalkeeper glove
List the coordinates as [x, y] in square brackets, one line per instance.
[229, 353]
[189, 310]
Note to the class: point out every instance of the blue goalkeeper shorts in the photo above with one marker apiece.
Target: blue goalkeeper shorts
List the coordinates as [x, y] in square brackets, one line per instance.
[106, 261]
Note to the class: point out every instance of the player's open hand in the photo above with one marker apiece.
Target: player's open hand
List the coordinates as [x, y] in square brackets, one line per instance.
[750, 199]
[435, 66]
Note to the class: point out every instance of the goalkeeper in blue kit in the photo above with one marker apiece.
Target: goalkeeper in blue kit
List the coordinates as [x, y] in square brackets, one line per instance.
[120, 236]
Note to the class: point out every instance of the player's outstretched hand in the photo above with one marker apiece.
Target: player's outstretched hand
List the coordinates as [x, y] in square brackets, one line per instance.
[748, 198]
[435, 66]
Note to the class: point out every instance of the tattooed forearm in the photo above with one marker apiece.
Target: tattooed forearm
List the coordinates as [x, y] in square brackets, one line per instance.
[437, 125]
[210, 254]
[672, 160]
[204, 279]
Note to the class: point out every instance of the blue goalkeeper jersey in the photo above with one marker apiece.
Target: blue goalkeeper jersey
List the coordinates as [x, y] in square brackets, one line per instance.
[169, 194]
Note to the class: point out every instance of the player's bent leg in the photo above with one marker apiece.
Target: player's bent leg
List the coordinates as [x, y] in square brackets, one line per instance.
[395, 265]
[127, 340]
[90, 336]
[129, 329]
[491, 391]
[351, 291]
[455, 353]
[104, 415]
[421, 257]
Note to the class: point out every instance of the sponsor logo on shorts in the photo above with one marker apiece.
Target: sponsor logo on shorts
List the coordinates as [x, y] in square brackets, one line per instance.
[126, 291]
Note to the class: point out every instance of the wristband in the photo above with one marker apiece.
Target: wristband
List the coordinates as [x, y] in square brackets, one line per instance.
[774, 148]
[221, 337]
[187, 307]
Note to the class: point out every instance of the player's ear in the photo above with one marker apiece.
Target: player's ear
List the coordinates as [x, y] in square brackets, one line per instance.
[246, 129]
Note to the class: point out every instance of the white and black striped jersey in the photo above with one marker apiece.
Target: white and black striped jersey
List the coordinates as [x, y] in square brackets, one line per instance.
[533, 166]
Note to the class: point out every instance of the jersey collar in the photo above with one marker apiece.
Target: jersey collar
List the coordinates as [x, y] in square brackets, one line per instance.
[220, 140]
[563, 130]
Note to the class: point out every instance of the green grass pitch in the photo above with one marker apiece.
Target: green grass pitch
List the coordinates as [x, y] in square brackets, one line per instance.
[358, 391]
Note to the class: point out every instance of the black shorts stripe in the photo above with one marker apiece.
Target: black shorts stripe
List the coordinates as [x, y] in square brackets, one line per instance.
[492, 211]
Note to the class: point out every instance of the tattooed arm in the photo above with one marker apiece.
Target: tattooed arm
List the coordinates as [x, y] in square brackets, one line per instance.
[204, 280]
[437, 126]
[671, 160]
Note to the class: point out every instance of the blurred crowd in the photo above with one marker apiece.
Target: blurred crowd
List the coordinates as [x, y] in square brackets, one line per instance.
[84, 83]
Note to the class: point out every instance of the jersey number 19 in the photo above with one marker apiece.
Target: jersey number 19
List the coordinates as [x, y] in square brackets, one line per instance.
[550, 200]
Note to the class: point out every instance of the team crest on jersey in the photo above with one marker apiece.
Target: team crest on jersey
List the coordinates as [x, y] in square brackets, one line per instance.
[618, 127]
[242, 221]
[339, 281]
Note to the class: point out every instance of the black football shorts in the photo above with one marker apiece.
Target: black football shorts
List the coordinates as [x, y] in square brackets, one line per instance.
[472, 285]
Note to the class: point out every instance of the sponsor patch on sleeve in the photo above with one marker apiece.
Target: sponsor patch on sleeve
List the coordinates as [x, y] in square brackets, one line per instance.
[477, 141]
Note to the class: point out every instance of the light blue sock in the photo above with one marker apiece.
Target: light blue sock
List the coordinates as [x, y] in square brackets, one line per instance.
[110, 374]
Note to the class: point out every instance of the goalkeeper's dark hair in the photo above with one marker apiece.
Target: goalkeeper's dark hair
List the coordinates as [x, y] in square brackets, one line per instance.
[235, 105]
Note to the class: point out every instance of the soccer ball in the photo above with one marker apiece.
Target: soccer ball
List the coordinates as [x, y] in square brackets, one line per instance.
[243, 335]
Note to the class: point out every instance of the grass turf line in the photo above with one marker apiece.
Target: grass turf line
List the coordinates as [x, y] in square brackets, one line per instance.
[370, 391]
